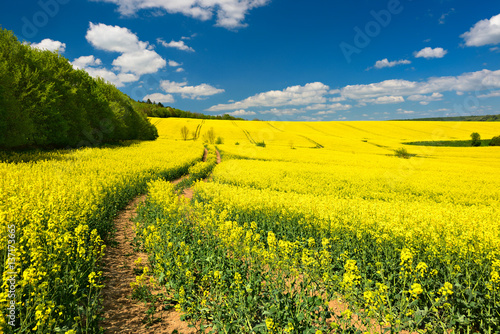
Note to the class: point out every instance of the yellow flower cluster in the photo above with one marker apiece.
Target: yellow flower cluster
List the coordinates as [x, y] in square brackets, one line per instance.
[61, 204]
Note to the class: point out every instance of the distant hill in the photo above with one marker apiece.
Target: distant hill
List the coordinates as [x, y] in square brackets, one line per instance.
[152, 109]
[484, 118]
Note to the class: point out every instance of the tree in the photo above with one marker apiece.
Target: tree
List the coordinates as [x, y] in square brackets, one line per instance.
[495, 141]
[476, 139]
[209, 136]
[184, 132]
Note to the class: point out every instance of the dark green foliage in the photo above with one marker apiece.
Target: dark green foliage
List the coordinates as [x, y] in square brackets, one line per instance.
[495, 141]
[446, 143]
[475, 139]
[152, 109]
[402, 153]
[261, 143]
[219, 141]
[483, 118]
[45, 102]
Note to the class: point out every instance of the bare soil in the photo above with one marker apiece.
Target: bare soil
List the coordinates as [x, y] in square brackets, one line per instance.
[122, 313]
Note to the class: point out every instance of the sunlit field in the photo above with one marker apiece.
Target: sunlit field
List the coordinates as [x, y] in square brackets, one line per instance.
[324, 228]
[302, 228]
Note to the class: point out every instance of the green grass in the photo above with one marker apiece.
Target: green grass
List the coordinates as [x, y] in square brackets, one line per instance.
[448, 143]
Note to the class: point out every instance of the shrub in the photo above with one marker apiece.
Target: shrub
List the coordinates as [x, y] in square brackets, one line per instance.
[237, 143]
[209, 136]
[495, 141]
[219, 140]
[184, 132]
[402, 153]
[261, 143]
[476, 139]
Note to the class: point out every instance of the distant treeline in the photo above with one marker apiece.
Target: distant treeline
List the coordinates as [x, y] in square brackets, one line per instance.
[153, 109]
[45, 102]
[485, 118]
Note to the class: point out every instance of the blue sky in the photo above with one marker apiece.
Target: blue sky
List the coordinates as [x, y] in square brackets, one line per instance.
[281, 59]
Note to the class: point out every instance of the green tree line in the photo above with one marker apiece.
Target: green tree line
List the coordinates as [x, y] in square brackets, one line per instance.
[153, 109]
[45, 102]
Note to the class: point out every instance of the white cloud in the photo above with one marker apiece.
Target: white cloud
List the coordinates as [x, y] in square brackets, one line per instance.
[490, 94]
[113, 38]
[483, 32]
[86, 61]
[283, 112]
[230, 13]
[425, 99]
[51, 45]
[117, 79]
[388, 99]
[473, 81]
[294, 95]
[137, 57]
[173, 63]
[177, 45]
[407, 112]
[443, 17]
[159, 97]
[192, 92]
[386, 63]
[428, 52]
[140, 62]
[241, 112]
[333, 106]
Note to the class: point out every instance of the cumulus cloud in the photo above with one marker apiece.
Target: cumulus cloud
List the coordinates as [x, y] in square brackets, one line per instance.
[425, 99]
[51, 45]
[180, 69]
[388, 99]
[329, 107]
[431, 53]
[140, 62]
[113, 38]
[495, 93]
[192, 92]
[407, 112]
[386, 63]
[173, 63]
[176, 44]
[159, 97]
[483, 32]
[230, 13]
[473, 81]
[86, 61]
[242, 112]
[295, 95]
[137, 57]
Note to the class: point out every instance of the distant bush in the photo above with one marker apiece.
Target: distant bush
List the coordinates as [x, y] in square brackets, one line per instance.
[184, 132]
[219, 140]
[475, 139]
[209, 136]
[237, 143]
[495, 141]
[402, 153]
[261, 143]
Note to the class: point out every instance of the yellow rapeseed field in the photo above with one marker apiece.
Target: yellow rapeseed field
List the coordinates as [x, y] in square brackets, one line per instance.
[303, 227]
[327, 211]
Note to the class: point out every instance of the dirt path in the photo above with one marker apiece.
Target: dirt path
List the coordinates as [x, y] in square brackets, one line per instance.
[122, 314]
